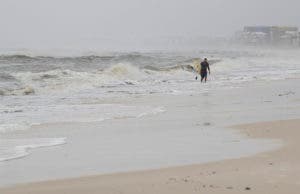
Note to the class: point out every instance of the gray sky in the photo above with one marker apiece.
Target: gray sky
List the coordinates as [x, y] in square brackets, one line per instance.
[54, 23]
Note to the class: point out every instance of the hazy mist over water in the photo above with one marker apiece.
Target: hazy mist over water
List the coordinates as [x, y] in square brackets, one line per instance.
[132, 24]
[128, 72]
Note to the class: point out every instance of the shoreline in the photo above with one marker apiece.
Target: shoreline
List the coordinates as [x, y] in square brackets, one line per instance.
[276, 171]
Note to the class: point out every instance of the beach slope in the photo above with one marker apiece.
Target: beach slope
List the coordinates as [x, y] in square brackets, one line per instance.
[273, 172]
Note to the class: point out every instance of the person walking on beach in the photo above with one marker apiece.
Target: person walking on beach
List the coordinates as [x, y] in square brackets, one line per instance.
[204, 68]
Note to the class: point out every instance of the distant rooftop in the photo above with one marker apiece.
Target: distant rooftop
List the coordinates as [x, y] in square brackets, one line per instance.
[267, 29]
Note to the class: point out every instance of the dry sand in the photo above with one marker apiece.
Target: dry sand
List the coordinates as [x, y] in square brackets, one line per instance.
[272, 172]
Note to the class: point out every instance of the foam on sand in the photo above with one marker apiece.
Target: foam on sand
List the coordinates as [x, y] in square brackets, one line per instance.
[17, 148]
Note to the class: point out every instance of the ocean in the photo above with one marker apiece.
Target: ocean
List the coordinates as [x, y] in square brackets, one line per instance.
[37, 90]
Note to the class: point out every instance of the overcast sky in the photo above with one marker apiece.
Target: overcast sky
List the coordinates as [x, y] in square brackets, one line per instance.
[26, 23]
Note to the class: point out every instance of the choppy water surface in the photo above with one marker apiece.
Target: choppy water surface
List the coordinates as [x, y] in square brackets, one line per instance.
[39, 89]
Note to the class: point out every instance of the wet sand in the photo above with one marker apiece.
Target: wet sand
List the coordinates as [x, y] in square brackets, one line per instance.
[273, 172]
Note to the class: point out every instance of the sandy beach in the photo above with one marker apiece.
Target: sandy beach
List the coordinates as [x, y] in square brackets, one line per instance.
[270, 172]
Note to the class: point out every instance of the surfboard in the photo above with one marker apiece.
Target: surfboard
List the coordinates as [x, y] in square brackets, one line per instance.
[197, 67]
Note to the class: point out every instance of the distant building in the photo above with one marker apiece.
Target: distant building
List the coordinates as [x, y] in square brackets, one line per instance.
[269, 35]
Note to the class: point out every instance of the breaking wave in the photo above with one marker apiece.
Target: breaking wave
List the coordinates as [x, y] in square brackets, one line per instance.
[28, 83]
[29, 74]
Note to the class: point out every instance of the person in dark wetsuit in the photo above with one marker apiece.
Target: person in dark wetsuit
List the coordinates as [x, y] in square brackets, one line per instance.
[204, 68]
